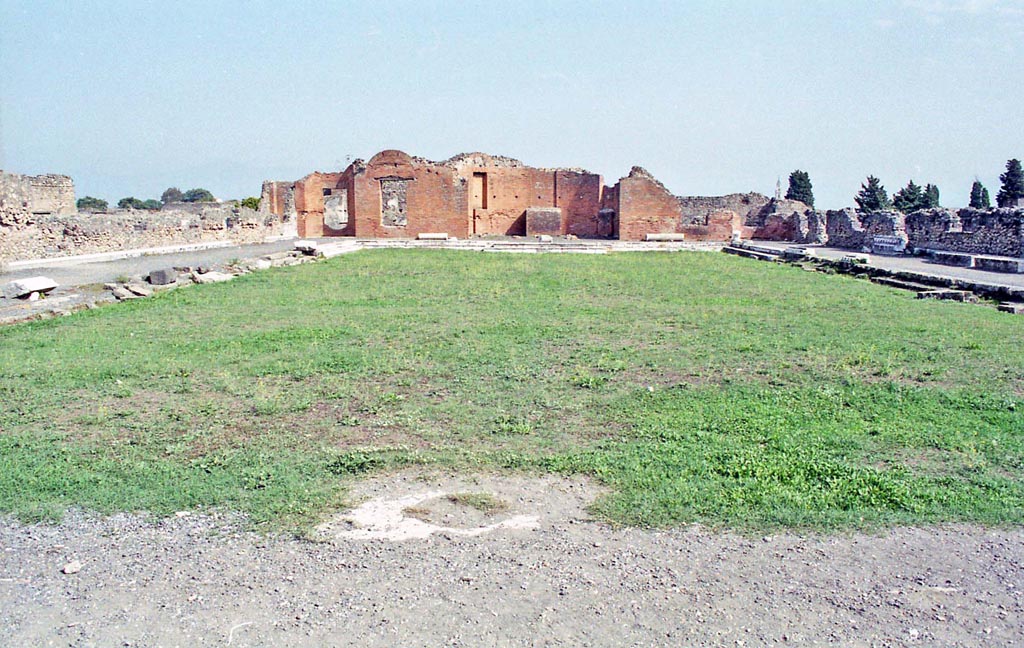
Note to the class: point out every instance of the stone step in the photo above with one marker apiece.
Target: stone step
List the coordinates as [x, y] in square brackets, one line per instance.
[750, 254]
[950, 295]
[901, 284]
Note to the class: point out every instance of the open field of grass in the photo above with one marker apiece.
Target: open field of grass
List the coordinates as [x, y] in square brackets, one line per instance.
[698, 386]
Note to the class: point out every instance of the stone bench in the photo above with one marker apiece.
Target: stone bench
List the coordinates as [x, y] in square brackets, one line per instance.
[664, 236]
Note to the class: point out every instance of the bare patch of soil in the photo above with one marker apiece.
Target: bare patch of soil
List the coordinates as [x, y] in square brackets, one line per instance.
[202, 580]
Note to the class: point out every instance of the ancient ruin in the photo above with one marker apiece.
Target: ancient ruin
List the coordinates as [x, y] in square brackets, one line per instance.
[38, 218]
[396, 195]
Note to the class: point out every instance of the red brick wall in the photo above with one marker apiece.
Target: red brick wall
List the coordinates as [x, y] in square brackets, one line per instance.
[309, 202]
[510, 190]
[646, 208]
[435, 198]
[579, 196]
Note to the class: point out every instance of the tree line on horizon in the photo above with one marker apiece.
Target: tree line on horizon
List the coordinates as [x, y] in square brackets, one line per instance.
[170, 195]
[873, 196]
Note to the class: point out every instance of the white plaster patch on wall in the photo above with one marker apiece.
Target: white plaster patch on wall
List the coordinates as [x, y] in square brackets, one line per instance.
[385, 519]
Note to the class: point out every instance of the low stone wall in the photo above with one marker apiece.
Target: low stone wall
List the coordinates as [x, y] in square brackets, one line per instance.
[850, 229]
[21, 195]
[998, 232]
[28, 236]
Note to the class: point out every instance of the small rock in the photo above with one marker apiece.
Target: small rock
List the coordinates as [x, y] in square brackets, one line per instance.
[123, 293]
[211, 277]
[306, 247]
[25, 287]
[163, 277]
[72, 567]
[34, 296]
[139, 289]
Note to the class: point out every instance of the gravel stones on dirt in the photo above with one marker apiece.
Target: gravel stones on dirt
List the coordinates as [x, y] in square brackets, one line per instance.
[202, 580]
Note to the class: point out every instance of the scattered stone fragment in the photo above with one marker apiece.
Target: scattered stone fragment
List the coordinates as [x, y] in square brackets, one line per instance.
[259, 264]
[211, 277]
[72, 567]
[163, 277]
[1012, 307]
[950, 295]
[123, 293]
[33, 296]
[27, 286]
[306, 247]
[139, 289]
[545, 238]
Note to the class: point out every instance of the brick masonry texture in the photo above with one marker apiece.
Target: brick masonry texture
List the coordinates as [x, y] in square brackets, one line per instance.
[477, 194]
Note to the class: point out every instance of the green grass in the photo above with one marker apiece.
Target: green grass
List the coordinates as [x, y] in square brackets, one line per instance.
[699, 387]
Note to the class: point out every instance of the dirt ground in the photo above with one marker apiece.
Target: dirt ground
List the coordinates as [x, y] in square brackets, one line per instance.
[416, 565]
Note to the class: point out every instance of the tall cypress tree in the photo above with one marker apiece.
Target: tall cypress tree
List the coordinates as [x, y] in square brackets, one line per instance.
[979, 196]
[1013, 184]
[800, 188]
[872, 196]
[931, 197]
[908, 198]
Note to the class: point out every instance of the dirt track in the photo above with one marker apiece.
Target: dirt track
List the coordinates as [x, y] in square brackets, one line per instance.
[201, 580]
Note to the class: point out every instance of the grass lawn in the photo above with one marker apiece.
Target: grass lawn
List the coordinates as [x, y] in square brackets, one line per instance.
[698, 386]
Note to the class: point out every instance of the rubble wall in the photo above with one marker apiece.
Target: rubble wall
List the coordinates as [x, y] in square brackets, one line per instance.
[52, 235]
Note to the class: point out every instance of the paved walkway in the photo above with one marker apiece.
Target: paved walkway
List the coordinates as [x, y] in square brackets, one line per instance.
[911, 264]
[81, 274]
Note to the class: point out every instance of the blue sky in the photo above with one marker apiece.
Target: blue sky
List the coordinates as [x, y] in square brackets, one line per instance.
[712, 97]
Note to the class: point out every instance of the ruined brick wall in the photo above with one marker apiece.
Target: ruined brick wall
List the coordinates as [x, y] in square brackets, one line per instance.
[398, 196]
[646, 207]
[308, 196]
[499, 190]
[997, 232]
[278, 198]
[579, 195]
[72, 234]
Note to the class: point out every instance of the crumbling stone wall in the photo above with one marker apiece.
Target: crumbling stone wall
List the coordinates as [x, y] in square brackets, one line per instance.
[854, 230]
[788, 220]
[696, 210]
[997, 232]
[42, 194]
[64, 235]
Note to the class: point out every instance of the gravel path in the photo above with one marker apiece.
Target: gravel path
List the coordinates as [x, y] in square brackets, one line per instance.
[200, 580]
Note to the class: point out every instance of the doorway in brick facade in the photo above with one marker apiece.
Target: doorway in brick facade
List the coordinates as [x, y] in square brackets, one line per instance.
[478, 191]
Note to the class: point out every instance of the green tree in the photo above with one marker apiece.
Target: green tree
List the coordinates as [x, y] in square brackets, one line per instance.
[172, 194]
[979, 196]
[90, 204]
[908, 198]
[252, 202]
[931, 196]
[197, 195]
[130, 203]
[800, 188]
[151, 205]
[1013, 185]
[872, 196]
